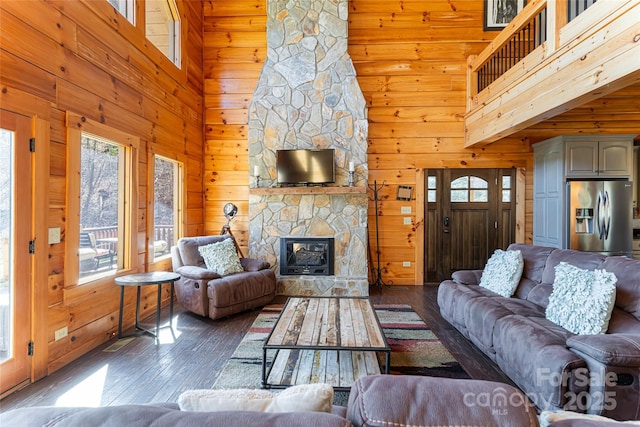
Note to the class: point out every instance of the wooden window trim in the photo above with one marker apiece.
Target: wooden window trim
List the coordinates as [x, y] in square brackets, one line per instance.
[179, 210]
[76, 126]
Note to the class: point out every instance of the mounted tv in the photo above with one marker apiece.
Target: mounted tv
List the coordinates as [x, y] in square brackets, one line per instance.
[306, 167]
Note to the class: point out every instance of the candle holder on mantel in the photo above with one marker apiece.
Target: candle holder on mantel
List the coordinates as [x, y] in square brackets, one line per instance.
[257, 181]
[352, 173]
[352, 178]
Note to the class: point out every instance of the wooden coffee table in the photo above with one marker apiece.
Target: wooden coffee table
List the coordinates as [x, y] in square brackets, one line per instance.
[324, 340]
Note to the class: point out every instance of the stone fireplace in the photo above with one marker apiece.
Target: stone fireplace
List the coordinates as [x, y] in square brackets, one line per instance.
[308, 97]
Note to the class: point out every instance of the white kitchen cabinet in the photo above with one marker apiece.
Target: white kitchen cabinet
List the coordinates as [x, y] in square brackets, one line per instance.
[599, 156]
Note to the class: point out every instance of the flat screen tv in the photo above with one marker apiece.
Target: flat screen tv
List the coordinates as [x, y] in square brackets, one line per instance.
[306, 167]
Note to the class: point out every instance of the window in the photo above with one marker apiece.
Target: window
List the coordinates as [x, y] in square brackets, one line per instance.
[431, 189]
[167, 206]
[469, 189]
[126, 8]
[162, 23]
[506, 189]
[101, 233]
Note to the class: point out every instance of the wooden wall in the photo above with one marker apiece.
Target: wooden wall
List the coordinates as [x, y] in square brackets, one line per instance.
[61, 56]
[410, 56]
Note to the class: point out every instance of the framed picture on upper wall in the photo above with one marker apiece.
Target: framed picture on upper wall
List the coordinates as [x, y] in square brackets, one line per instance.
[498, 13]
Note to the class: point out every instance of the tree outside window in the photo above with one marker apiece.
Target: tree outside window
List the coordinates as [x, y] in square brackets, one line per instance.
[166, 205]
[100, 202]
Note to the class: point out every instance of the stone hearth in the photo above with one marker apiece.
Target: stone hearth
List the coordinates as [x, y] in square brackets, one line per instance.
[308, 97]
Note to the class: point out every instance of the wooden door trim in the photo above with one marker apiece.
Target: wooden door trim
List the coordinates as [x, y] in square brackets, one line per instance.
[420, 226]
[40, 276]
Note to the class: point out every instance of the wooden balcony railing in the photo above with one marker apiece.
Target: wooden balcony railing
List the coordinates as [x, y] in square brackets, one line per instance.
[555, 55]
[520, 40]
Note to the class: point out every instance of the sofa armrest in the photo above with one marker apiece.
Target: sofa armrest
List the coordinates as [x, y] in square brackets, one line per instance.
[197, 273]
[250, 264]
[406, 400]
[609, 349]
[467, 277]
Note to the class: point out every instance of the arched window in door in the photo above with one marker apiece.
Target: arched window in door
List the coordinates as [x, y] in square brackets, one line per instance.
[469, 189]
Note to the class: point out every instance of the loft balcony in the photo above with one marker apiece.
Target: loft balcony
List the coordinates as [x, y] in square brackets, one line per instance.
[554, 56]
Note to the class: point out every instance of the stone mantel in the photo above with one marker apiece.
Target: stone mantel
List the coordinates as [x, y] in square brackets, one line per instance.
[267, 191]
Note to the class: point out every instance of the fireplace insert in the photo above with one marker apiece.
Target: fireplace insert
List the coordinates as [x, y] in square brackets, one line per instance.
[306, 256]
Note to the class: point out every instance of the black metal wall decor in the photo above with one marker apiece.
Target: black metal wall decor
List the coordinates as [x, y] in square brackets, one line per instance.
[378, 273]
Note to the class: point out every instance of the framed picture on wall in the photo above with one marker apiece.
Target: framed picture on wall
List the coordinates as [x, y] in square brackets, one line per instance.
[498, 13]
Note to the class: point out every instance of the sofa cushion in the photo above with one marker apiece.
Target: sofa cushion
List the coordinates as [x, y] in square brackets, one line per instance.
[502, 272]
[197, 273]
[154, 416]
[609, 349]
[584, 260]
[539, 295]
[582, 300]
[221, 257]
[394, 400]
[467, 277]
[249, 264]
[535, 258]
[482, 313]
[240, 288]
[188, 248]
[628, 288]
[453, 299]
[299, 398]
[535, 356]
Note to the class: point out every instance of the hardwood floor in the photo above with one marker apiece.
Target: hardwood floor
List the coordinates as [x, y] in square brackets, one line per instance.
[143, 372]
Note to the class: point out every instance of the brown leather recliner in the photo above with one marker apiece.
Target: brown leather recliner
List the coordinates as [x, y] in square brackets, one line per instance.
[206, 293]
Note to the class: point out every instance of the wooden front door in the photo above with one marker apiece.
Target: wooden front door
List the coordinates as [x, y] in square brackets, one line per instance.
[469, 214]
[15, 260]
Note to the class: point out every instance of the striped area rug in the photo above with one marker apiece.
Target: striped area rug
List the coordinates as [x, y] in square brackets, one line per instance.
[415, 350]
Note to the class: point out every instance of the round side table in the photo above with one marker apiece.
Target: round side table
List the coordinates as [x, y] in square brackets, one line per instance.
[138, 280]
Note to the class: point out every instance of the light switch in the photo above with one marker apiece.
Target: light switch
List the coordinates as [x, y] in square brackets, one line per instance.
[407, 220]
[405, 210]
[54, 235]
[406, 263]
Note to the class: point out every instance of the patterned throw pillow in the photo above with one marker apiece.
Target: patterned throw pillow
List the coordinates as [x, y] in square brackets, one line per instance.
[582, 300]
[221, 257]
[503, 272]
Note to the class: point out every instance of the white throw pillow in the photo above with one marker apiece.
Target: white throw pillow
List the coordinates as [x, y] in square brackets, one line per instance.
[582, 300]
[221, 257]
[548, 417]
[299, 398]
[503, 272]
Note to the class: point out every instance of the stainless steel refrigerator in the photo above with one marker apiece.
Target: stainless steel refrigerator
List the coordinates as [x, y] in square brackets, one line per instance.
[600, 216]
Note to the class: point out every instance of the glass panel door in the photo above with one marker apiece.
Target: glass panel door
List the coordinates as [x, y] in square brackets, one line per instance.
[6, 220]
[15, 232]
